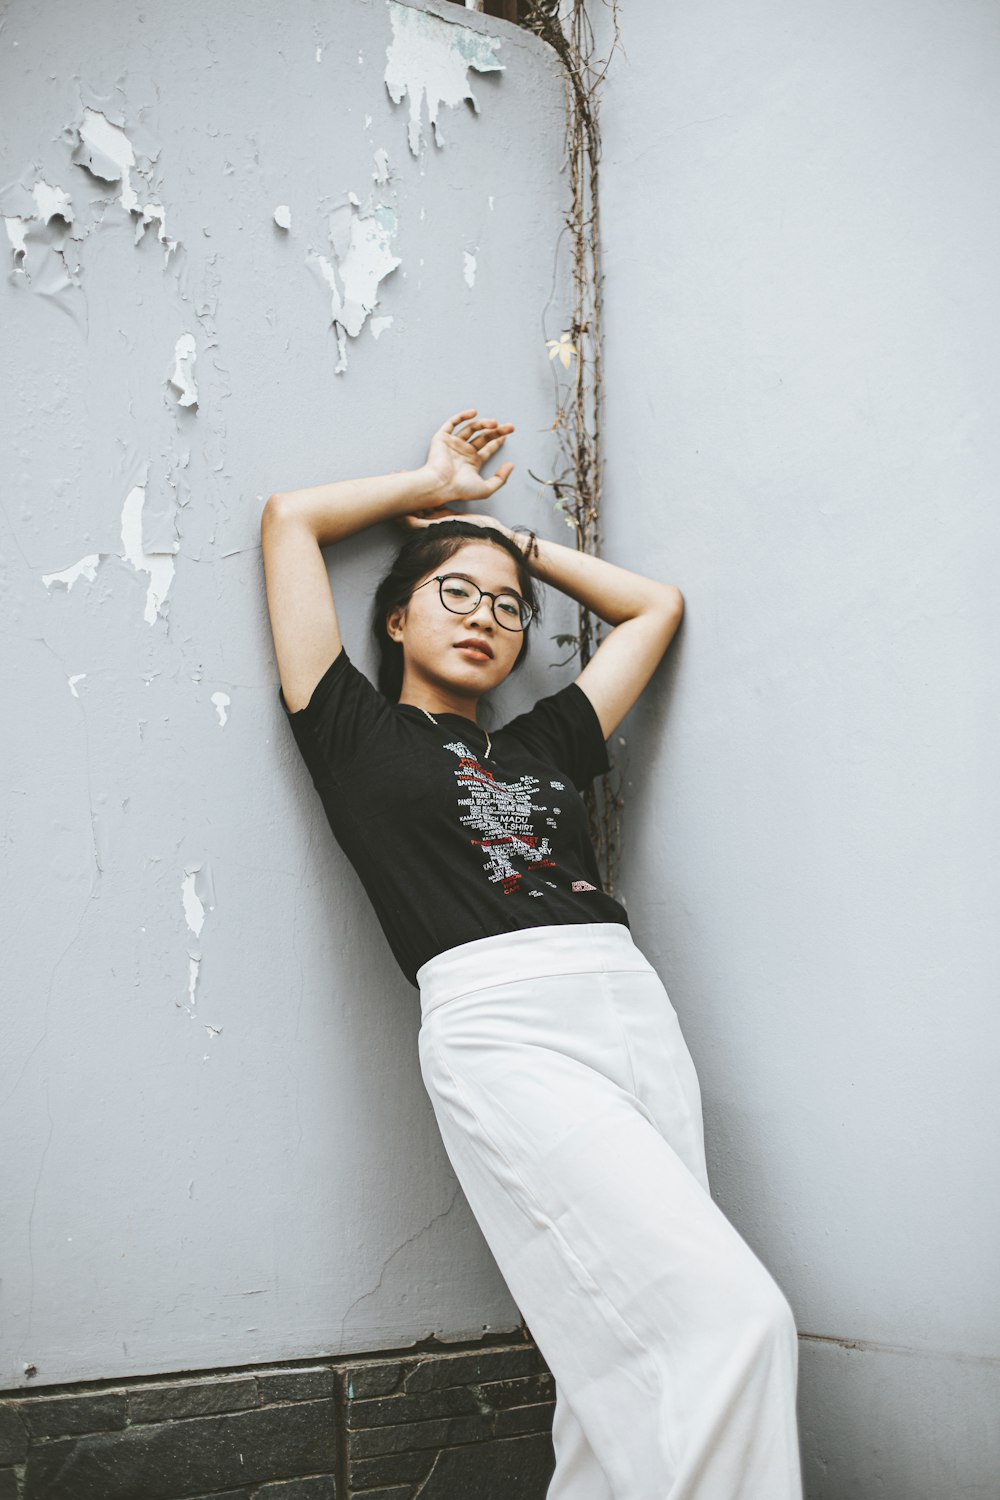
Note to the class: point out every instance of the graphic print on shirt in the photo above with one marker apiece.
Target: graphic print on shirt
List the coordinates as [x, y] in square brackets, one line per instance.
[501, 812]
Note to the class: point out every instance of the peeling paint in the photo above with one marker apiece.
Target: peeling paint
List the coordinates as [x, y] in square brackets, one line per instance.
[283, 216]
[197, 892]
[159, 565]
[222, 702]
[379, 325]
[381, 173]
[85, 568]
[469, 265]
[108, 154]
[361, 247]
[77, 677]
[182, 379]
[40, 234]
[429, 59]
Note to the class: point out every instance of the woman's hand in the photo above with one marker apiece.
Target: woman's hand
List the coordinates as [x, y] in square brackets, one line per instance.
[456, 454]
[458, 451]
[447, 513]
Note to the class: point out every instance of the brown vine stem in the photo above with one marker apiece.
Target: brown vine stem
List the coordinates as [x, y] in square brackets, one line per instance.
[579, 420]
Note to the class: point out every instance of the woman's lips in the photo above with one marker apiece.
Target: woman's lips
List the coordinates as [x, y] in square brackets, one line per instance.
[474, 653]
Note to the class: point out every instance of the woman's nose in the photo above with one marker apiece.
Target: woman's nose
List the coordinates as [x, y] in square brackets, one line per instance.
[483, 611]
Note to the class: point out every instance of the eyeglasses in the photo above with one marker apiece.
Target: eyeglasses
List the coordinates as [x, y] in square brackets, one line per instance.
[462, 596]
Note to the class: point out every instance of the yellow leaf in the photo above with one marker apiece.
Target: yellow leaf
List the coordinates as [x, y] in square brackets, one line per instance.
[563, 347]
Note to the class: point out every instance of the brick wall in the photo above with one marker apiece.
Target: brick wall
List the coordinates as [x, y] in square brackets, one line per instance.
[447, 1422]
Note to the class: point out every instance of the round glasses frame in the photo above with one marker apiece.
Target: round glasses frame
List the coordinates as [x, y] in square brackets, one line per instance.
[525, 611]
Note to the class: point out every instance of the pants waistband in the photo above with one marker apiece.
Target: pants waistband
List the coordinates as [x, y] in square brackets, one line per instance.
[564, 948]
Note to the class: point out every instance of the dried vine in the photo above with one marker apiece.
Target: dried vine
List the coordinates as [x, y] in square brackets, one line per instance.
[579, 420]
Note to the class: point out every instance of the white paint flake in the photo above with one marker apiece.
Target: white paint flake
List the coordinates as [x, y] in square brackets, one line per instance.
[51, 202]
[283, 216]
[194, 964]
[107, 153]
[381, 173]
[40, 247]
[77, 677]
[360, 265]
[379, 325]
[197, 893]
[85, 568]
[194, 907]
[469, 271]
[151, 212]
[429, 58]
[222, 702]
[159, 565]
[182, 378]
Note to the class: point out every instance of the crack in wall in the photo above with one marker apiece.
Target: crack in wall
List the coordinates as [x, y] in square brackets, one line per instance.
[424, 1228]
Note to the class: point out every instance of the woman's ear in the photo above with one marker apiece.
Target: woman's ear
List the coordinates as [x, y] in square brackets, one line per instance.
[393, 622]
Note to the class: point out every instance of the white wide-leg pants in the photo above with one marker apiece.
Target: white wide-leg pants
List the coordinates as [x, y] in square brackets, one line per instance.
[570, 1110]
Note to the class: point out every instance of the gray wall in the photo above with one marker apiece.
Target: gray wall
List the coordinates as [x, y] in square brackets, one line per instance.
[217, 1146]
[801, 224]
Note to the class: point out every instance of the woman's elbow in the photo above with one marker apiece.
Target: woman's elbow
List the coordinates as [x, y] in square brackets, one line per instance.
[675, 599]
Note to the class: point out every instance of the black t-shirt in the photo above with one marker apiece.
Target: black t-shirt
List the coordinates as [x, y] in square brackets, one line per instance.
[449, 845]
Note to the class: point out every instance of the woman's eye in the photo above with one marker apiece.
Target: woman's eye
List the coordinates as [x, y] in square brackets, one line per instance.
[509, 608]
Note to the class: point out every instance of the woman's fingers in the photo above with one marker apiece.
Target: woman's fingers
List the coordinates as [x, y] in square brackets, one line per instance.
[468, 429]
[483, 437]
[452, 422]
[500, 477]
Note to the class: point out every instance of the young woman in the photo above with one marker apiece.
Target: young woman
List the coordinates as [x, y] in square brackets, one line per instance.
[566, 1096]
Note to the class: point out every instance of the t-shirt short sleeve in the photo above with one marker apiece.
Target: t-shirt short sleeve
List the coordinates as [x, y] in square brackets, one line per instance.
[343, 713]
[563, 729]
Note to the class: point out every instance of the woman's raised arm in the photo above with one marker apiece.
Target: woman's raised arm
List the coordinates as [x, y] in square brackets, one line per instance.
[295, 524]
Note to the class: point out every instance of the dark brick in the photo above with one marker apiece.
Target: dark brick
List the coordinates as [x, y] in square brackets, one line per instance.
[524, 1419]
[474, 1367]
[173, 1460]
[389, 1411]
[442, 1433]
[8, 1484]
[192, 1398]
[524, 1392]
[396, 1492]
[226, 1495]
[372, 1379]
[296, 1385]
[56, 1416]
[519, 1467]
[316, 1487]
[388, 1468]
[13, 1435]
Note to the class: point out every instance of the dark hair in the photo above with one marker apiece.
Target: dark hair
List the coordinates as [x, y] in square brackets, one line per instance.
[426, 549]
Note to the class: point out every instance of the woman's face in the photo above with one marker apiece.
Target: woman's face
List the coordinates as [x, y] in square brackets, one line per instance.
[431, 635]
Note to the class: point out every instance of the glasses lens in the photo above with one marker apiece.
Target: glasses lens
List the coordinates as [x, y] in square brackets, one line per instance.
[459, 596]
[513, 611]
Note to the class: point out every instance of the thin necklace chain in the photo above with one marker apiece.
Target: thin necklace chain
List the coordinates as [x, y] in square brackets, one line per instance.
[489, 747]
